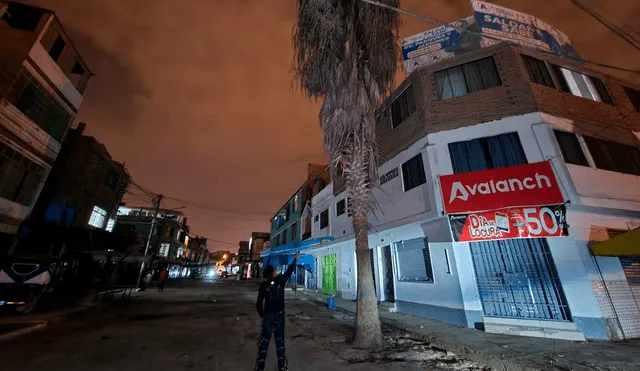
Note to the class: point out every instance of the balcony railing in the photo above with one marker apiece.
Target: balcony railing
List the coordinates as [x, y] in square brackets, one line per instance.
[35, 102]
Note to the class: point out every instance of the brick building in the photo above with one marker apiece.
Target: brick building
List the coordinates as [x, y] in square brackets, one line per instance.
[501, 109]
[87, 186]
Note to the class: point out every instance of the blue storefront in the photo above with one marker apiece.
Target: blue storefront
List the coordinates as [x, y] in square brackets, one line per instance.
[282, 256]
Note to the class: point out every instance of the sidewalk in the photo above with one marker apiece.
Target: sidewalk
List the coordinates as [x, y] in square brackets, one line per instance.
[505, 352]
[12, 326]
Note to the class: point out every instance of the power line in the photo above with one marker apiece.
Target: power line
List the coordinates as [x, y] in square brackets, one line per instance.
[631, 39]
[459, 29]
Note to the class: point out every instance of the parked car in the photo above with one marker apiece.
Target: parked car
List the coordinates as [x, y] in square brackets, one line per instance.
[223, 274]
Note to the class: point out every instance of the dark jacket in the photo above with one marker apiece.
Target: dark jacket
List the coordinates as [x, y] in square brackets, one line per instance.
[271, 293]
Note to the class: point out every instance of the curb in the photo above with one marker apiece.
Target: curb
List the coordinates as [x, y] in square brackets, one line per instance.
[473, 355]
[23, 331]
[41, 324]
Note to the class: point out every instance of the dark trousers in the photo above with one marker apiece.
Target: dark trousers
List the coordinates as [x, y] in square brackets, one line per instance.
[161, 285]
[271, 323]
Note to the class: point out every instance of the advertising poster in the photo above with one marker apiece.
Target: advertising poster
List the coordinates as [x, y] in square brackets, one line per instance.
[438, 43]
[516, 222]
[522, 185]
[520, 28]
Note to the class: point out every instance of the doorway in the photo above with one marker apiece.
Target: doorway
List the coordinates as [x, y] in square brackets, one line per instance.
[387, 279]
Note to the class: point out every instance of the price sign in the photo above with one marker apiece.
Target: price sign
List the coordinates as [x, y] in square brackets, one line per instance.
[516, 222]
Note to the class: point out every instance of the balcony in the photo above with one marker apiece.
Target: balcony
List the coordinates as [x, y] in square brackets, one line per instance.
[43, 61]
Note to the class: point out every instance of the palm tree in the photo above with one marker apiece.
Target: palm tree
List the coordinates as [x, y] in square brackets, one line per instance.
[346, 54]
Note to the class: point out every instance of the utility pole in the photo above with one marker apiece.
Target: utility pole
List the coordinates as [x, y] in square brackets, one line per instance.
[146, 249]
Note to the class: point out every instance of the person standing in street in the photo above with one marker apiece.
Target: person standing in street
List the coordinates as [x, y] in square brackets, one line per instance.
[270, 307]
[162, 278]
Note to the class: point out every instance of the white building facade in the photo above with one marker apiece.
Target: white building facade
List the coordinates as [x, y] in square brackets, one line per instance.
[549, 284]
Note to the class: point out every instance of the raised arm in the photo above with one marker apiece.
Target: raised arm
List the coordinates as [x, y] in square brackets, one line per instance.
[291, 268]
[260, 302]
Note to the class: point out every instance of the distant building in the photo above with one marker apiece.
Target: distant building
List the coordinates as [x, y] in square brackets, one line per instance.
[88, 186]
[42, 82]
[292, 223]
[170, 232]
[243, 251]
[257, 244]
[197, 251]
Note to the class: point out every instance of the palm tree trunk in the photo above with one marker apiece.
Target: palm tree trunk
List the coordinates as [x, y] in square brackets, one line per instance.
[368, 330]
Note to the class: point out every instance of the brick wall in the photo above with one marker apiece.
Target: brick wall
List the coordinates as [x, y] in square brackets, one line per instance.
[516, 96]
[512, 98]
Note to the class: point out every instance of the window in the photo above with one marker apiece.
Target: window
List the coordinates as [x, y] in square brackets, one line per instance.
[324, 219]
[284, 237]
[634, 97]
[341, 207]
[339, 169]
[487, 153]
[37, 104]
[296, 202]
[20, 177]
[447, 261]
[402, 107]
[294, 232]
[414, 261]
[98, 217]
[569, 81]
[22, 17]
[164, 249]
[413, 173]
[111, 180]
[467, 78]
[316, 218]
[538, 71]
[614, 156]
[571, 148]
[57, 48]
[77, 69]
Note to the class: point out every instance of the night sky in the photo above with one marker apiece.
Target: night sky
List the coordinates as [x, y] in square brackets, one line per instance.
[198, 98]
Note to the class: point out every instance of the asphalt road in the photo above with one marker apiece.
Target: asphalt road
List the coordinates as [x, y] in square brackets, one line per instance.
[198, 326]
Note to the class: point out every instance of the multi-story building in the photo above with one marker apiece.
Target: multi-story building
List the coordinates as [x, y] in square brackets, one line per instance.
[87, 187]
[42, 82]
[197, 250]
[291, 223]
[257, 244]
[243, 251]
[170, 231]
[487, 130]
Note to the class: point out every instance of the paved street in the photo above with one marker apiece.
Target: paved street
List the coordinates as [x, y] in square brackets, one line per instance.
[208, 327]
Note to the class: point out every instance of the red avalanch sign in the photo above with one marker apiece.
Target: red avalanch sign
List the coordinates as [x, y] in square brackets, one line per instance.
[522, 185]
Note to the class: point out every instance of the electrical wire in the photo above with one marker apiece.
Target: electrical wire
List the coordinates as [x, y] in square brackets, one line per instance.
[433, 20]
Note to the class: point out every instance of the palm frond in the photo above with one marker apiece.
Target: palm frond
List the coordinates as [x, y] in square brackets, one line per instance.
[346, 53]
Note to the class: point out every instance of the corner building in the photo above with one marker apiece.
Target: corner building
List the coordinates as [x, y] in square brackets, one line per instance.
[522, 258]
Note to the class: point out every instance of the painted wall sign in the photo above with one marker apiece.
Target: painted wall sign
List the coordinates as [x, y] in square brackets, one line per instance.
[532, 184]
[517, 222]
